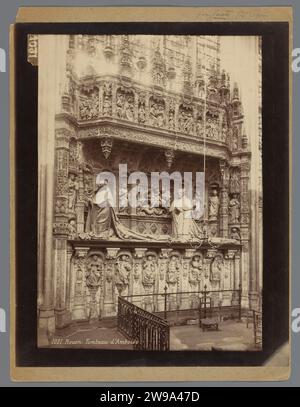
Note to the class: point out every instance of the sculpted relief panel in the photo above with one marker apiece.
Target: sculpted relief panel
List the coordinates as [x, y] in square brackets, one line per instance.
[99, 276]
[144, 107]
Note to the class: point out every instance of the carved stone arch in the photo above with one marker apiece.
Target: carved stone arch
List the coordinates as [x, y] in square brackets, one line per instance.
[152, 253]
[125, 253]
[96, 252]
[175, 253]
[198, 253]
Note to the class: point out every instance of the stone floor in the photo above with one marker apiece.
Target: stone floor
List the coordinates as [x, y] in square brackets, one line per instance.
[231, 336]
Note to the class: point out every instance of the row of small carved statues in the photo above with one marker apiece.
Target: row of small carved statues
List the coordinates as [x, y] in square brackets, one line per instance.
[153, 112]
[150, 268]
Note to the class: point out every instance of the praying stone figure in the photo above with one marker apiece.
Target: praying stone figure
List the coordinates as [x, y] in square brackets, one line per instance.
[234, 210]
[214, 204]
[99, 219]
[184, 226]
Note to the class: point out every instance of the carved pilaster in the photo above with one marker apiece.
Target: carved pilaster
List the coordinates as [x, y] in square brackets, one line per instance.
[62, 315]
[79, 311]
[224, 199]
[162, 275]
[245, 223]
[61, 185]
[94, 283]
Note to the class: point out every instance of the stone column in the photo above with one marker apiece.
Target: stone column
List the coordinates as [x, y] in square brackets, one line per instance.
[137, 287]
[245, 220]
[80, 203]
[224, 199]
[230, 257]
[185, 287]
[69, 279]
[60, 227]
[111, 305]
[162, 271]
[52, 52]
[79, 310]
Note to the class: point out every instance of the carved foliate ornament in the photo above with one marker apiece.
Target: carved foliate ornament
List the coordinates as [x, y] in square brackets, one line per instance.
[106, 146]
[170, 155]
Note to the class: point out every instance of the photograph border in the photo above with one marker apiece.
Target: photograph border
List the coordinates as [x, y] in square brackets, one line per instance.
[152, 372]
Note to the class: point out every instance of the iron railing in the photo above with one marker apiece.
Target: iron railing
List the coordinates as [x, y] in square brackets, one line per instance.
[145, 330]
[168, 303]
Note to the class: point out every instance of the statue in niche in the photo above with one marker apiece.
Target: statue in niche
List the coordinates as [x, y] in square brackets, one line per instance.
[217, 266]
[89, 107]
[123, 269]
[234, 209]
[125, 105]
[173, 270]
[107, 105]
[189, 123]
[94, 272]
[149, 271]
[214, 205]
[199, 126]
[186, 120]
[157, 113]
[224, 133]
[72, 191]
[129, 107]
[234, 183]
[235, 234]
[211, 129]
[195, 271]
[72, 230]
[120, 104]
[171, 120]
[184, 226]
